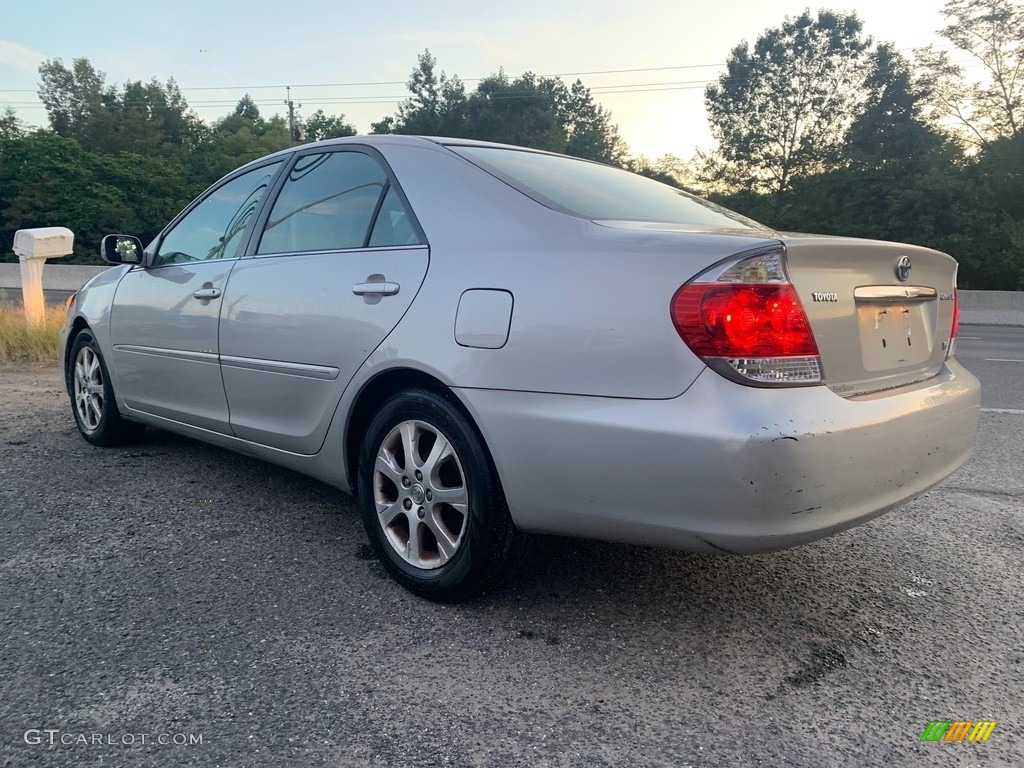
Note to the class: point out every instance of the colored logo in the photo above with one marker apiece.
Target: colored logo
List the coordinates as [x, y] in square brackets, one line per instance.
[958, 730]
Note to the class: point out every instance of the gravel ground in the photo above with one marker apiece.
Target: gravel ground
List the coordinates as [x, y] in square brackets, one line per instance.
[175, 591]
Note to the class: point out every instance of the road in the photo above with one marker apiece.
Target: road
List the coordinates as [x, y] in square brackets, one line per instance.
[175, 591]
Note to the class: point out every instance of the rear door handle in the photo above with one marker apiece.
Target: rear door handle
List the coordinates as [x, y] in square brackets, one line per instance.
[207, 293]
[381, 289]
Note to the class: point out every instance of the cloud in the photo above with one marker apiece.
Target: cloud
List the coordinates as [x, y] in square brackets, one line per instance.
[19, 56]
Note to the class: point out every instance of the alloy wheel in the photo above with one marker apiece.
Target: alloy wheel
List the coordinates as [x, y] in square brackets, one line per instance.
[88, 380]
[421, 495]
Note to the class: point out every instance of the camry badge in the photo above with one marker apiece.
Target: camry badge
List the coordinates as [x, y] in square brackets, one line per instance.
[903, 268]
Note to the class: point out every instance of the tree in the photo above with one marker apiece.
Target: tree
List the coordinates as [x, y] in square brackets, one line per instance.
[75, 98]
[781, 110]
[320, 126]
[889, 128]
[435, 107]
[234, 140]
[591, 133]
[668, 169]
[140, 117]
[10, 125]
[153, 114]
[50, 180]
[524, 111]
[992, 32]
[530, 111]
[995, 227]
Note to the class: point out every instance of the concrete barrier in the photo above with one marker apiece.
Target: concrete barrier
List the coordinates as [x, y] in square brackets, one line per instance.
[991, 307]
[56, 277]
[976, 307]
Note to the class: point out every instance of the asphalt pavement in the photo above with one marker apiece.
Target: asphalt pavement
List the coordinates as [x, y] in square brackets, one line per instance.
[173, 604]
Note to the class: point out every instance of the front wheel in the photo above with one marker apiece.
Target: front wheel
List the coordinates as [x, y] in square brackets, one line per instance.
[431, 501]
[92, 396]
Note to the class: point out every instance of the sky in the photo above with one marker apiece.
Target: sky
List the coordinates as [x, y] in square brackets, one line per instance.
[645, 60]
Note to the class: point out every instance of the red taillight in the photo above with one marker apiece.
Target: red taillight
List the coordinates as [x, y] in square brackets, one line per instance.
[956, 316]
[742, 320]
[745, 321]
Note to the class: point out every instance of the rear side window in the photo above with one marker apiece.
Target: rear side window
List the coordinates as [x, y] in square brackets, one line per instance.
[330, 201]
[594, 191]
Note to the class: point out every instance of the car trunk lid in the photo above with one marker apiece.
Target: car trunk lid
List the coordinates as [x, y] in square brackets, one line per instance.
[882, 313]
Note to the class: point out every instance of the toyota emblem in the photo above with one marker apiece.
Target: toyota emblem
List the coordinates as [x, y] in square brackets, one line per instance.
[903, 268]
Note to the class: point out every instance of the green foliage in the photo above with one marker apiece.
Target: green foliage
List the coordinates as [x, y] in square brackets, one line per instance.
[889, 128]
[320, 126]
[529, 111]
[434, 108]
[47, 179]
[782, 109]
[10, 125]
[523, 111]
[816, 132]
[121, 159]
[139, 117]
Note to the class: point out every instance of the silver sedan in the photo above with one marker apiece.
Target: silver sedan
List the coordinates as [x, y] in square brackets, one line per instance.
[481, 341]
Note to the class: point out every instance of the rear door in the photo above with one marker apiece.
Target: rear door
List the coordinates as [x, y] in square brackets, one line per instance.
[164, 319]
[882, 313]
[336, 263]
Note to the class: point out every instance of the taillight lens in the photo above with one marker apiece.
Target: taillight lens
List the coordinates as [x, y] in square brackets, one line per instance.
[748, 324]
[955, 325]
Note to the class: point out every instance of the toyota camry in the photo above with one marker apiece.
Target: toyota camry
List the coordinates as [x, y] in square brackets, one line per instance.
[481, 341]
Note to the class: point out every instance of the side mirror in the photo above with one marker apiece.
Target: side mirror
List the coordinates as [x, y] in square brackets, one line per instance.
[121, 249]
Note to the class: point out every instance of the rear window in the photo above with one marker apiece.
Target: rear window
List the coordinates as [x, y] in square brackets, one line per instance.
[593, 191]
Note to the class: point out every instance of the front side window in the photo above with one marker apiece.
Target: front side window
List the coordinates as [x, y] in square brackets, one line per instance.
[214, 229]
[330, 202]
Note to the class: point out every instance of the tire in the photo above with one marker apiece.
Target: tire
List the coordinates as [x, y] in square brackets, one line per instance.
[92, 396]
[438, 523]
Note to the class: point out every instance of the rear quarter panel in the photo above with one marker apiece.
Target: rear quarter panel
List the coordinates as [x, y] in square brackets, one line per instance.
[590, 303]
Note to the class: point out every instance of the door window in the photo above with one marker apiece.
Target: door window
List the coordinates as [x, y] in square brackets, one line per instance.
[329, 202]
[214, 229]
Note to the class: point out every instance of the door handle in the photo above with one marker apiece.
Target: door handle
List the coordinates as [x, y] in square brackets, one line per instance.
[381, 289]
[207, 293]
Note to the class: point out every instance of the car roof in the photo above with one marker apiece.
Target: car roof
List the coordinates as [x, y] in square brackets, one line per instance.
[387, 139]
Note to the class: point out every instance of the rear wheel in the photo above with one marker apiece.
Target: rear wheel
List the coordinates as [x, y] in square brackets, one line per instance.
[431, 501]
[92, 397]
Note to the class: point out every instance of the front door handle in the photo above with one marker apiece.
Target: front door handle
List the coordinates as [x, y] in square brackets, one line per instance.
[380, 289]
[207, 293]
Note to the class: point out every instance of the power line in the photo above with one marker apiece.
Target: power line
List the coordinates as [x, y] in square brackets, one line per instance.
[462, 79]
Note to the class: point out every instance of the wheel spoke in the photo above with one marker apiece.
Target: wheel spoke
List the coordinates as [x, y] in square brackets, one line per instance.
[445, 546]
[96, 406]
[93, 368]
[412, 547]
[408, 431]
[442, 450]
[386, 466]
[456, 498]
[387, 512]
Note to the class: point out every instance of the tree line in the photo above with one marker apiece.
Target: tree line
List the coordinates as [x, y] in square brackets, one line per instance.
[817, 127]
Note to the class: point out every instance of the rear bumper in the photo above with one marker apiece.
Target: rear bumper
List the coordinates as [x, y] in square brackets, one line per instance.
[723, 467]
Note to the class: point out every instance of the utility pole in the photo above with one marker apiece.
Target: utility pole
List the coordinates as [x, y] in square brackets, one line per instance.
[292, 130]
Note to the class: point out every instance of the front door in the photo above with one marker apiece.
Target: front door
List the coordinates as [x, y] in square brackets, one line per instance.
[165, 317]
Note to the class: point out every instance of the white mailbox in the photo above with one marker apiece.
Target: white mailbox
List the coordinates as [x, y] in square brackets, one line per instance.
[34, 247]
